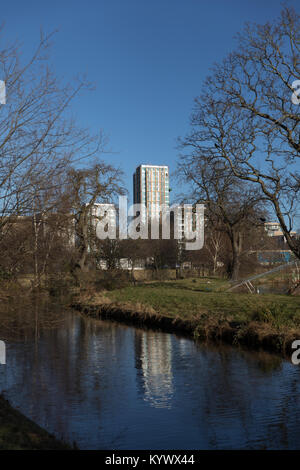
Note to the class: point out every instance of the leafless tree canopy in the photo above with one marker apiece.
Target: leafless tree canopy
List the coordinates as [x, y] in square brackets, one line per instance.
[37, 136]
[100, 183]
[232, 207]
[42, 153]
[245, 116]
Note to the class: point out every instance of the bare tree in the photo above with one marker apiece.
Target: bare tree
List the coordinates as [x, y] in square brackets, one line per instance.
[134, 251]
[254, 115]
[109, 251]
[231, 207]
[37, 138]
[214, 244]
[52, 228]
[99, 183]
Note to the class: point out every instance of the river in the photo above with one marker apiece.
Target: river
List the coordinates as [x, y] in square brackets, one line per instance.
[106, 385]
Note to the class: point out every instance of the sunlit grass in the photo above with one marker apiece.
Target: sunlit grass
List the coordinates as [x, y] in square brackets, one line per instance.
[189, 298]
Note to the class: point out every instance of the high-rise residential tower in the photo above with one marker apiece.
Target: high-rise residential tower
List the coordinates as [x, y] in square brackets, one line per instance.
[151, 187]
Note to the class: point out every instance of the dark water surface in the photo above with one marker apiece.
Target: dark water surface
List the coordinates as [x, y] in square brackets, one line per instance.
[110, 386]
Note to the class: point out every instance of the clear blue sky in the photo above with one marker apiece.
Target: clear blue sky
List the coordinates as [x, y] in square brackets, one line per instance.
[147, 59]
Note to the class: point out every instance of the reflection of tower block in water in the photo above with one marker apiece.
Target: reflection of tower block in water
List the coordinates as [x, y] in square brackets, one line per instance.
[156, 366]
[2, 353]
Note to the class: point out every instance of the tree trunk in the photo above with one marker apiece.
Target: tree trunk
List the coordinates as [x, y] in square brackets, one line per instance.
[83, 242]
[236, 245]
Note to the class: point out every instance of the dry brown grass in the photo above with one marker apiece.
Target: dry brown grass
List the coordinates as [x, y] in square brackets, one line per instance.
[268, 321]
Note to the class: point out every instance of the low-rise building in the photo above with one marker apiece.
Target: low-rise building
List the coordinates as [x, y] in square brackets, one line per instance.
[273, 229]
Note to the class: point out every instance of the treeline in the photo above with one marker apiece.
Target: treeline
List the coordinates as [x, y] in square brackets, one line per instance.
[50, 169]
[240, 159]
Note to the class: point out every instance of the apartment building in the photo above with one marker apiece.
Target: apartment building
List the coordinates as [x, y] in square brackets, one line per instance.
[151, 187]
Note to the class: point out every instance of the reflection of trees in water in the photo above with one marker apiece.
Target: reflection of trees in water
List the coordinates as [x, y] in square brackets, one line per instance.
[80, 377]
[245, 398]
[24, 317]
[77, 361]
[265, 361]
[34, 365]
[154, 361]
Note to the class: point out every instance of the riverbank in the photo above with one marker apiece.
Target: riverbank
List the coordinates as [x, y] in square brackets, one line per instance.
[20, 433]
[202, 309]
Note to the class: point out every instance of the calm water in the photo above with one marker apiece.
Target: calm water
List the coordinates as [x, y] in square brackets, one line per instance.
[109, 386]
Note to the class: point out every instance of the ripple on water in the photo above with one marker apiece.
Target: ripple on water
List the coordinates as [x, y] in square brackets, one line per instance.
[106, 385]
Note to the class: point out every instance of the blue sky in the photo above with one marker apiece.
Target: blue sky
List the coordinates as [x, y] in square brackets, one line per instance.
[147, 60]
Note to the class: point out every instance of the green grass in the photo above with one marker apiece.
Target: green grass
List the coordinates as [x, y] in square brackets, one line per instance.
[188, 298]
[205, 309]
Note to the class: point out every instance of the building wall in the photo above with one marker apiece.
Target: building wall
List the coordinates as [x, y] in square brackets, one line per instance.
[273, 229]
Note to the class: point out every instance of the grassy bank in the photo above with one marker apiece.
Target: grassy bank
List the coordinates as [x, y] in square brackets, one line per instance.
[20, 433]
[203, 308]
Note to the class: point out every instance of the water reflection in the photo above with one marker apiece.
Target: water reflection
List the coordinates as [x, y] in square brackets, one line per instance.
[110, 386]
[24, 317]
[154, 364]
